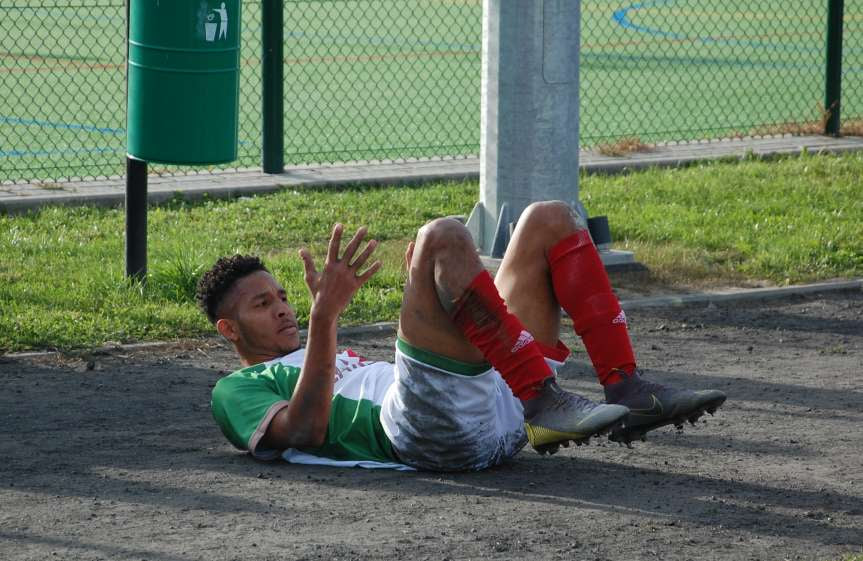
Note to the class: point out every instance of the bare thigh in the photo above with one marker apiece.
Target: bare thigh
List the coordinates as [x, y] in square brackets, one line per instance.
[444, 261]
[441, 265]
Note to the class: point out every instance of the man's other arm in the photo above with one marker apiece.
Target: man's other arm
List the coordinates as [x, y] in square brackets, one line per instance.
[303, 423]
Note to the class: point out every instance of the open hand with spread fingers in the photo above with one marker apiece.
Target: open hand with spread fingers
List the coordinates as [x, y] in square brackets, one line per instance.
[333, 287]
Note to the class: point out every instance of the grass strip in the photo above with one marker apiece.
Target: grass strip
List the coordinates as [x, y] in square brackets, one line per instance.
[61, 269]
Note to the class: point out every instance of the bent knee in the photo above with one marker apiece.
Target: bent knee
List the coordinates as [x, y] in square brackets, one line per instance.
[556, 216]
[444, 233]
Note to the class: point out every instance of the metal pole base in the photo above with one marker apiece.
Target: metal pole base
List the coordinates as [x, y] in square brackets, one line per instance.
[136, 219]
[598, 227]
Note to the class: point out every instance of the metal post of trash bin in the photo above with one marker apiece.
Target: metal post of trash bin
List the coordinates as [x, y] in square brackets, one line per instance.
[136, 200]
[136, 219]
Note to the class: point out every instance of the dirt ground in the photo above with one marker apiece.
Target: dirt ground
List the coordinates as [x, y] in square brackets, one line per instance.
[114, 456]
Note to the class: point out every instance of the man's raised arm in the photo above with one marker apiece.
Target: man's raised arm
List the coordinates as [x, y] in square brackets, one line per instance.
[303, 423]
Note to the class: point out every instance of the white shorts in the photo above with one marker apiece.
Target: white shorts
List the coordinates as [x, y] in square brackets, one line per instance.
[445, 415]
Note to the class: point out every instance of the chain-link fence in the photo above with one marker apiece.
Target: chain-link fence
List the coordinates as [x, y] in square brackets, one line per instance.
[63, 86]
[680, 70]
[393, 80]
[62, 76]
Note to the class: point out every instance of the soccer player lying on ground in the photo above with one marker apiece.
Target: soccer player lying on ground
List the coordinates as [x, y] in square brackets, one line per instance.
[474, 373]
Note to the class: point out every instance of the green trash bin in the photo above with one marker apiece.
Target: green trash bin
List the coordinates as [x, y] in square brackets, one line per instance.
[183, 81]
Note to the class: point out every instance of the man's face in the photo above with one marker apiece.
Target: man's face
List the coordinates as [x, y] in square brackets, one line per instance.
[261, 324]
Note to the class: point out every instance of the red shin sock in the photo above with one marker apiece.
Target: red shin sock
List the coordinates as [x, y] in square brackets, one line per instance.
[581, 286]
[481, 315]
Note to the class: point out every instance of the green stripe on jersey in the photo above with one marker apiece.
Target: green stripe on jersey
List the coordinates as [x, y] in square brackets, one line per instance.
[355, 433]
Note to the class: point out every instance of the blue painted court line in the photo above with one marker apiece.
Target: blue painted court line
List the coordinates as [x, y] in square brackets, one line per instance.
[600, 58]
[69, 152]
[621, 17]
[74, 10]
[51, 56]
[54, 125]
[588, 58]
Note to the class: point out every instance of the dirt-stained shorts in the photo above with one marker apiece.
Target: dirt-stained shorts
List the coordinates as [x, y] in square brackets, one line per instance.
[447, 416]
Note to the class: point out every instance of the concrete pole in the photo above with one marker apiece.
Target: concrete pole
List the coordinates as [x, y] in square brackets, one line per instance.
[529, 142]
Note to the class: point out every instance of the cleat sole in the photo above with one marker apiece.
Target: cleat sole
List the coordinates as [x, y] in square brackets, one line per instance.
[626, 435]
[551, 448]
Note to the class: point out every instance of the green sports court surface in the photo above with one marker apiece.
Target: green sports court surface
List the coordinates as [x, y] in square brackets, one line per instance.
[370, 80]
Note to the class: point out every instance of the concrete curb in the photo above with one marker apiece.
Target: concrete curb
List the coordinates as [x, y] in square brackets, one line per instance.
[240, 183]
[157, 193]
[389, 327]
[746, 295]
[17, 198]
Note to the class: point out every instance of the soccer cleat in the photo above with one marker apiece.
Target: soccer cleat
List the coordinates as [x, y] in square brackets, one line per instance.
[555, 417]
[653, 405]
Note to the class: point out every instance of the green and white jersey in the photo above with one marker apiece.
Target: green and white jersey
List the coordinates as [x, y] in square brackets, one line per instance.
[245, 402]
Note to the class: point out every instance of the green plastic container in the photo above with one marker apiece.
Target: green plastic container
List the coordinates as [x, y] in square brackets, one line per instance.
[184, 80]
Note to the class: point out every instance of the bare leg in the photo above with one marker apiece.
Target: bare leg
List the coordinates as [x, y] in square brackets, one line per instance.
[524, 278]
[443, 267]
[444, 262]
[441, 264]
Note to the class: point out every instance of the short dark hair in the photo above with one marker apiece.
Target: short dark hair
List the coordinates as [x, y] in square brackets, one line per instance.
[215, 283]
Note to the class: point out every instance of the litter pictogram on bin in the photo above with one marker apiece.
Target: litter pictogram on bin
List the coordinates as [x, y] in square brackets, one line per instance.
[211, 25]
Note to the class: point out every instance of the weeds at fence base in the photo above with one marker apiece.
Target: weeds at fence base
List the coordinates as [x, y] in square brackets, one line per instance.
[850, 127]
[853, 127]
[624, 146]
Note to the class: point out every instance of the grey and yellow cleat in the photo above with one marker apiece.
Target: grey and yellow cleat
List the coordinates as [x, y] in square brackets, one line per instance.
[555, 417]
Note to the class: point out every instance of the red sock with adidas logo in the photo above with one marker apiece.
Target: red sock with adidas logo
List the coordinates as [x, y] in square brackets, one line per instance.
[582, 288]
[480, 313]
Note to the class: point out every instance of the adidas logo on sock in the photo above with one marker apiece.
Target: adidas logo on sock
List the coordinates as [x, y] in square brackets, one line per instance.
[621, 318]
[524, 339]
